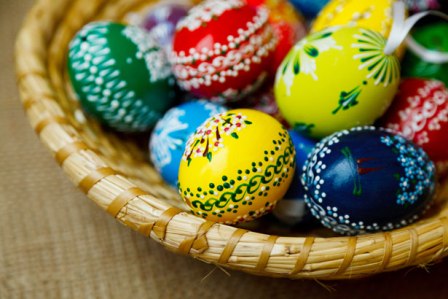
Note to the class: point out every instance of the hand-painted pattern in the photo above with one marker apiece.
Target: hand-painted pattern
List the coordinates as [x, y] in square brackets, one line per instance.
[208, 137]
[418, 172]
[302, 58]
[247, 185]
[382, 68]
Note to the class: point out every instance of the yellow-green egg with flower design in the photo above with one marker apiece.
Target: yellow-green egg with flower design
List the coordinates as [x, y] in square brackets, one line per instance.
[336, 79]
[236, 166]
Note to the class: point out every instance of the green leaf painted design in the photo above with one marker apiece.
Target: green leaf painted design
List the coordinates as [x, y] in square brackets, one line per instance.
[235, 135]
[304, 128]
[384, 69]
[357, 187]
[348, 99]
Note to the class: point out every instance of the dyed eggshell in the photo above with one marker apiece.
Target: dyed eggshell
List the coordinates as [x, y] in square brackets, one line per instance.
[121, 77]
[169, 138]
[292, 209]
[420, 113]
[161, 23]
[223, 49]
[236, 166]
[374, 15]
[309, 8]
[336, 79]
[368, 180]
[289, 27]
[433, 39]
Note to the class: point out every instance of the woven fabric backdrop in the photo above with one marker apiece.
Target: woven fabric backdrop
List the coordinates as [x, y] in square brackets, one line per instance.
[55, 243]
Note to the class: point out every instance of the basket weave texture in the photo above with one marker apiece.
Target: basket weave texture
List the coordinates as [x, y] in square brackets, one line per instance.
[114, 173]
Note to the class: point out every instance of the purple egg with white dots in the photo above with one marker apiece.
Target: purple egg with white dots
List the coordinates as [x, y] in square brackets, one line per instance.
[292, 209]
[367, 180]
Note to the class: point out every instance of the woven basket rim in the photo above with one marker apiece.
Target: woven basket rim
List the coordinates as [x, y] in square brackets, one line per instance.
[294, 257]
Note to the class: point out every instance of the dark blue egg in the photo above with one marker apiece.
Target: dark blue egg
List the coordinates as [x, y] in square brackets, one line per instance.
[309, 8]
[168, 140]
[292, 208]
[367, 180]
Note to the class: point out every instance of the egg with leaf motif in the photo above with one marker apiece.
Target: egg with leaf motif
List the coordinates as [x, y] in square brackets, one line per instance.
[367, 180]
[336, 79]
[236, 166]
[121, 76]
[169, 137]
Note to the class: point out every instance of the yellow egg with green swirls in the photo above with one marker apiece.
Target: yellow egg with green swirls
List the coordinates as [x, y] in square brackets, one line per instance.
[336, 79]
[236, 166]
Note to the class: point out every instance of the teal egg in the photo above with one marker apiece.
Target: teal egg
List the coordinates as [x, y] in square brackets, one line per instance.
[121, 77]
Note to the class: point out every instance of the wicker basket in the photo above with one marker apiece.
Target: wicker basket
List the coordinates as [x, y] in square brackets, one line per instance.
[115, 174]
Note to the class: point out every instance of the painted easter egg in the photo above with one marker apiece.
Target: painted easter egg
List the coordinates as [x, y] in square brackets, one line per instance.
[309, 8]
[289, 27]
[427, 55]
[121, 77]
[336, 79]
[368, 180]
[168, 140]
[236, 166]
[420, 113]
[292, 209]
[374, 15]
[223, 49]
[161, 23]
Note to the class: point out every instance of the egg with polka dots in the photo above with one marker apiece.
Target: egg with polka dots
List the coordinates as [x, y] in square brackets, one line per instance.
[236, 166]
[121, 77]
[367, 180]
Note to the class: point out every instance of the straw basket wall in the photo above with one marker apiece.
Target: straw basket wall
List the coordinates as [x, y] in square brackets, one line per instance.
[114, 173]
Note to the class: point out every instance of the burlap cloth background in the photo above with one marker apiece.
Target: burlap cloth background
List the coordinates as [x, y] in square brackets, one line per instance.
[55, 243]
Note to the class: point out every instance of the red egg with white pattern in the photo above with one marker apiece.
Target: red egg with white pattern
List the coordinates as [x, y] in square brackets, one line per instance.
[289, 27]
[420, 113]
[223, 49]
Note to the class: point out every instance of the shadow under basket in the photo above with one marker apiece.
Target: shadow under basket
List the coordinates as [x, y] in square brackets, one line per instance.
[113, 171]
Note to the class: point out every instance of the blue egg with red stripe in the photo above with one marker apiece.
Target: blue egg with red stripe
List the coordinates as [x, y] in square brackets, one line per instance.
[367, 180]
[292, 209]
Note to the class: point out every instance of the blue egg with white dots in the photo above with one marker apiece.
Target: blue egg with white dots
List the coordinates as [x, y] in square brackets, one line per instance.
[168, 140]
[309, 8]
[367, 180]
[292, 209]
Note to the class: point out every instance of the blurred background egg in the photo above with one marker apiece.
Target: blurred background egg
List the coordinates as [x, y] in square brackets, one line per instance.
[161, 23]
[292, 209]
[368, 180]
[169, 138]
[336, 79]
[375, 15]
[288, 24]
[427, 54]
[236, 166]
[420, 113]
[120, 75]
[309, 8]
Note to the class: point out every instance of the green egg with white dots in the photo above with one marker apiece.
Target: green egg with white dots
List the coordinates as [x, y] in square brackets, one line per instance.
[120, 75]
